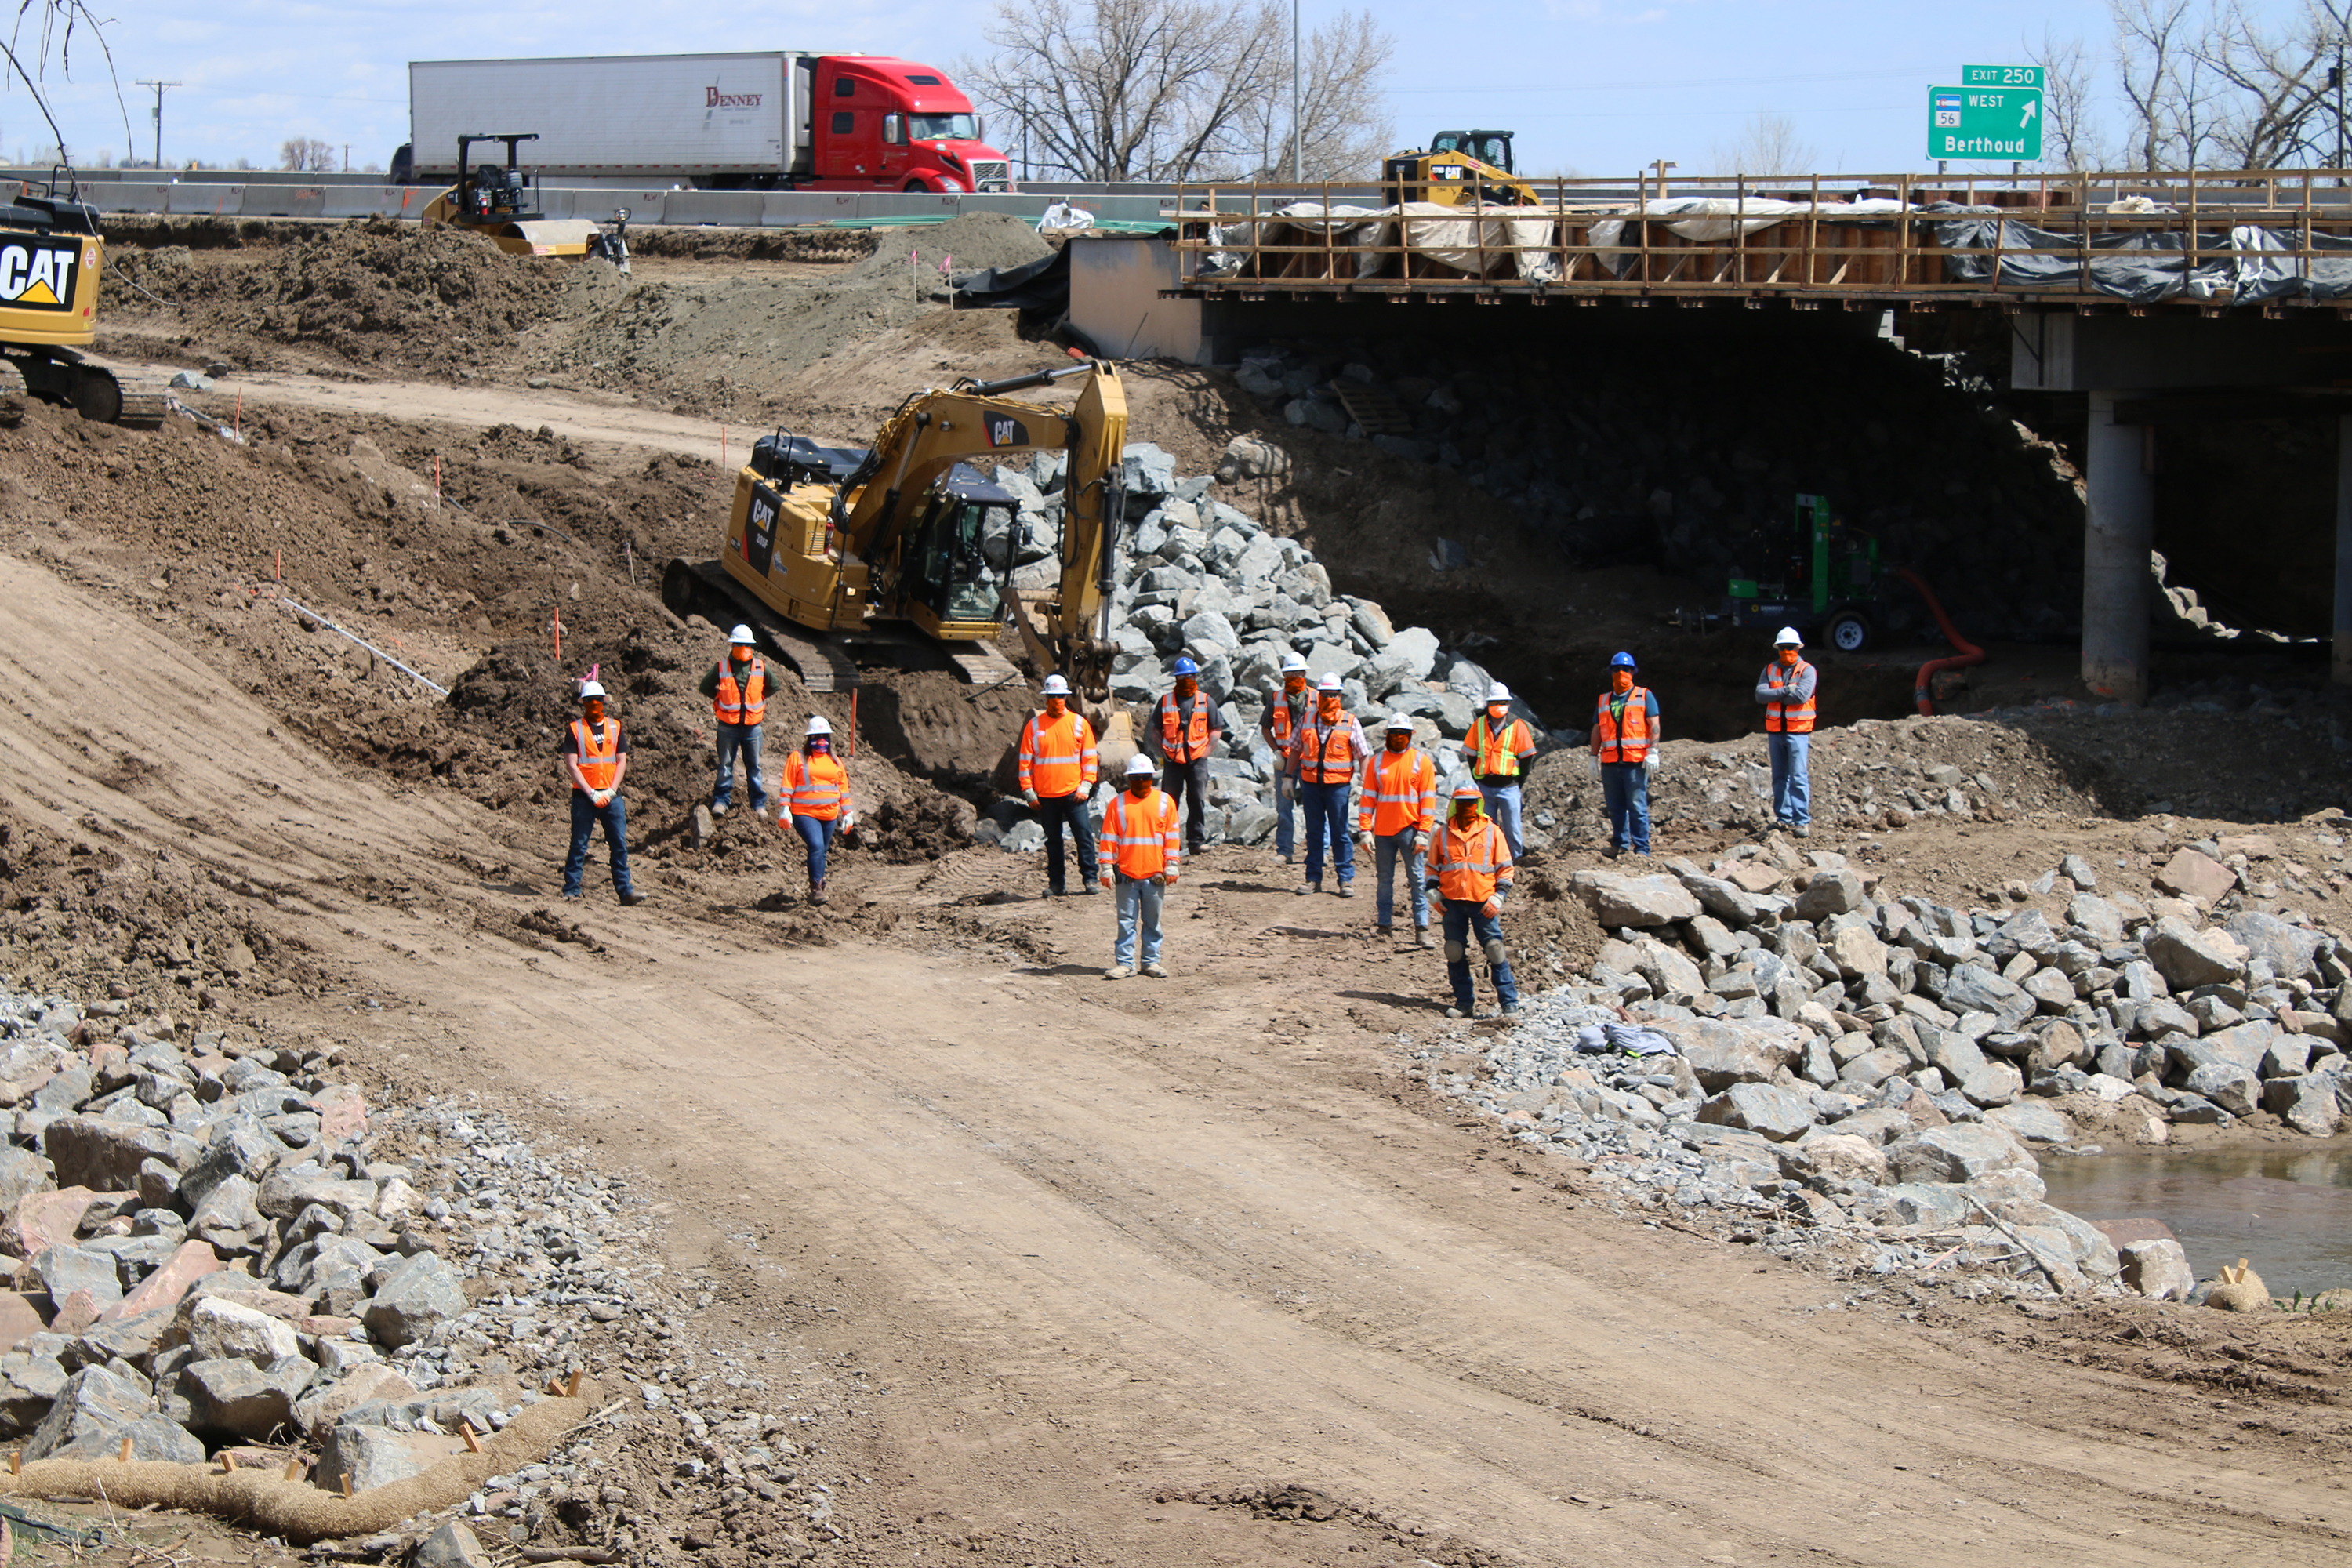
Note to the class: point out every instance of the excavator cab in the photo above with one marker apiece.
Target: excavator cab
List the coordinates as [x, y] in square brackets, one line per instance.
[947, 581]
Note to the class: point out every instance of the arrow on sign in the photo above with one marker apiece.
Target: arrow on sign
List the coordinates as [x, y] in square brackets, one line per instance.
[2032, 107]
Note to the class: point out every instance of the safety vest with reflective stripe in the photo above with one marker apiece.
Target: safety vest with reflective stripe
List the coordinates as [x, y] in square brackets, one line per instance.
[1399, 791]
[1138, 837]
[1470, 863]
[1793, 717]
[599, 752]
[1327, 749]
[816, 786]
[1285, 711]
[1181, 741]
[1057, 755]
[1495, 753]
[1634, 744]
[741, 704]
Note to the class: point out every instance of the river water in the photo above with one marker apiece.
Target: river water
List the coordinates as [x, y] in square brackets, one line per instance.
[2287, 1211]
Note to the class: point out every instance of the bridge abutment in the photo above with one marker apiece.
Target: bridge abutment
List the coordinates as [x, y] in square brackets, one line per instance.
[2118, 527]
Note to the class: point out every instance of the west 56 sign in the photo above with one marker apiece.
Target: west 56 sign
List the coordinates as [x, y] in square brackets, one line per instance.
[38, 274]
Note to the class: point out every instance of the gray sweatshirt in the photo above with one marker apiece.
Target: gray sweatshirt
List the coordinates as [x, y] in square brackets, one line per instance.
[1800, 690]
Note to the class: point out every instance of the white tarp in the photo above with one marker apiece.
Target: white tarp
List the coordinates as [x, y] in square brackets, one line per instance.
[1448, 236]
[1709, 220]
[1453, 236]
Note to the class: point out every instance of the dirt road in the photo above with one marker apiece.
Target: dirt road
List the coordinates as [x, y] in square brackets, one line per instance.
[1101, 1246]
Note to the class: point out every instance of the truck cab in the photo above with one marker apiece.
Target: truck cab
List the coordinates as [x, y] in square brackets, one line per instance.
[892, 124]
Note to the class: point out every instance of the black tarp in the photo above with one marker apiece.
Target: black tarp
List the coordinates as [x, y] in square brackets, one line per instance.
[1043, 285]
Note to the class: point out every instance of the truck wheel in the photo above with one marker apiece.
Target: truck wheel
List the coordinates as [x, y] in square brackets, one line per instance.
[1849, 631]
[915, 188]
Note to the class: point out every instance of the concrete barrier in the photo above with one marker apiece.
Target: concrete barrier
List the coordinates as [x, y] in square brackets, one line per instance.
[724, 210]
[359, 201]
[205, 200]
[285, 201]
[785, 209]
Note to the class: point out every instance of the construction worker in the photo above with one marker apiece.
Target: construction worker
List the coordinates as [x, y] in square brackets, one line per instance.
[1285, 710]
[1057, 778]
[1786, 691]
[1328, 751]
[1624, 755]
[737, 690]
[1188, 730]
[816, 799]
[1499, 747]
[1139, 858]
[595, 755]
[1396, 808]
[1470, 860]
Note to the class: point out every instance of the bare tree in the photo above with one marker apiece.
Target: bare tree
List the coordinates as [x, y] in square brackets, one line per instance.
[1163, 89]
[306, 155]
[1344, 133]
[2070, 138]
[2276, 108]
[2167, 85]
[1766, 144]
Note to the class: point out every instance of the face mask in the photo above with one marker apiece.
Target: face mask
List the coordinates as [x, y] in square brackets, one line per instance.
[819, 745]
[1400, 738]
[1621, 680]
[1465, 813]
[1788, 655]
[1329, 702]
[1054, 706]
[1293, 683]
[596, 707]
[742, 654]
[1497, 713]
[1140, 785]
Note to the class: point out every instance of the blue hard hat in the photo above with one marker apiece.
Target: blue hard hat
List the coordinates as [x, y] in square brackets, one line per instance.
[1184, 666]
[1622, 661]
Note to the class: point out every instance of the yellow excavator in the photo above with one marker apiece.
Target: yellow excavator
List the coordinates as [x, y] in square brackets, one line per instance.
[1459, 168]
[500, 205]
[50, 257]
[829, 552]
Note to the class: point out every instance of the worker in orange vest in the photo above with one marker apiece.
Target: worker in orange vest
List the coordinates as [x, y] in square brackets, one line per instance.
[1057, 778]
[1470, 862]
[1396, 807]
[1786, 691]
[1624, 755]
[1185, 729]
[1328, 749]
[1285, 710]
[1140, 855]
[816, 799]
[737, 690]
[1499, 747]
[595, 755]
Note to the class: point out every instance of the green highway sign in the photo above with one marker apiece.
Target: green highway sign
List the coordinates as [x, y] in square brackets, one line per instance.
[2002, 122]
[2001, 75]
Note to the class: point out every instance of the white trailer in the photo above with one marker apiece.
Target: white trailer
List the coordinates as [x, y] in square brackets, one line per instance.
[643, 115]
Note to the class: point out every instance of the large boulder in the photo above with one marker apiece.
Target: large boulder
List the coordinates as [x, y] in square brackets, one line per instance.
[2289, 950]
[2189, 957]
[2192, 874]
[1839, 1155]
[371, 1457]
[1831, 893]
[2226, 1084]
[1640, 901]
[103, 1154]
[1960, 1153]
[2309, 1103]
[1973, 988]
[417, 1297]
[96, 1410]
[1759, 1108]
[236, 1395]
[1721, 1053]
[220, 1329]
[2158, 1270]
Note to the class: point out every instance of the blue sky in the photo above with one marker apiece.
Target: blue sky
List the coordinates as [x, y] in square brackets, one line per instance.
[1596, 86]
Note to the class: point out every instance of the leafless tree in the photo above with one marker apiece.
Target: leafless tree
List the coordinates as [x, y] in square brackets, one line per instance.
[2166, 83]
[2275, 108]
[1766, 144]
[1345, 132]
[1173, 89]
[2069, 137]
[306, 155]
[53, 24]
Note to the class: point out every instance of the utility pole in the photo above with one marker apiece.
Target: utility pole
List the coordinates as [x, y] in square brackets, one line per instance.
[158, 86]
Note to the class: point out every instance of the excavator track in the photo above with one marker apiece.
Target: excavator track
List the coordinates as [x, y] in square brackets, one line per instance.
[690, 587]
[980, 663]
[141, 402]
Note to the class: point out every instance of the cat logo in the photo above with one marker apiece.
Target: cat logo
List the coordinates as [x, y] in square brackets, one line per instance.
[39, 275]
[1005, 431]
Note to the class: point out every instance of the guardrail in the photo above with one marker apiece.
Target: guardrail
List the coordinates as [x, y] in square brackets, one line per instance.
[2212, 238]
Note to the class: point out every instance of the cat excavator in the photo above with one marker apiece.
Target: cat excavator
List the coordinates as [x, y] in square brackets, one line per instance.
[50, 257]
[829, 553]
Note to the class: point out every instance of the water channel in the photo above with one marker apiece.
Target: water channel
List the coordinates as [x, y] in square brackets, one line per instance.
[2288, 1211]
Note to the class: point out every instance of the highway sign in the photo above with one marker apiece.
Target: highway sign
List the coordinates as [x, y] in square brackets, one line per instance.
[2001, 75]
[1985, 122]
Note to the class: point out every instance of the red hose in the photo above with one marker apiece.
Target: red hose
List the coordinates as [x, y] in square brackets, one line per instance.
[1969, 653]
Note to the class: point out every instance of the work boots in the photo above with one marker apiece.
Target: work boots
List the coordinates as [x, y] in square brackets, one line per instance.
[816, 894]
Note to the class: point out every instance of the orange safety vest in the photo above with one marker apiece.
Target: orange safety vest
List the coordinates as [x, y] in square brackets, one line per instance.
[1399, 791]
[1327, 754]
[816, 786]
[1139, 838]
[1634, 744]
[599, 749]
[1795, 718]
[1191, 742]
[1281, 721]
[1497, 753]
[746, 704]
[1470, 864]
[1057, 755]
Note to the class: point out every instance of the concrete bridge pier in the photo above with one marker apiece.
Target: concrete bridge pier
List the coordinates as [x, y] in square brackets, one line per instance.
[2341, 665]
[2118, 527]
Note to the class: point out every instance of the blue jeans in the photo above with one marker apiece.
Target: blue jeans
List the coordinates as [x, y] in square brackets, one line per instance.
[1793, 793]
[1053, 810]
[1463, 920]
[1138, 903]
[585, 815]
[1187, 784]
[1285, 814]
[743, 738]
[1386, 848]
[1327, 817]
[1627, 788]
[1503, 806]
[817, 833]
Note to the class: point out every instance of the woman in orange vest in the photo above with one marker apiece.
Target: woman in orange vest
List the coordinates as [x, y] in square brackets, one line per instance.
[1141, 854]
[737, 690]
[816, 799]
[1786, 691]
[1625, 753]
[1470, 862]
[1327, 751]
[595, 755]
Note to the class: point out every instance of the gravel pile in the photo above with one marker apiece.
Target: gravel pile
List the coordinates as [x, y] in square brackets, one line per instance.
[1828, 1063]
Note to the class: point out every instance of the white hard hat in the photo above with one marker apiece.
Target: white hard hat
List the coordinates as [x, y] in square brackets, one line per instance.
[1057, 687]
[819, 725]
[1328, 683]
[1400, 720]
[1137, 763]
[1292, 661]
[591, 688]
[741, 634]
[1788, 638]
[1499, 693]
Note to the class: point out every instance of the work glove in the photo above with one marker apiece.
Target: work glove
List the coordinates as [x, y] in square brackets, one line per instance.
[1412, 840]
[601, 797]
[1491, 908]
[849, 826]
[1162, 880]
[1106, 881]
[1593, 762]
[1030, 795]
[1650, 762]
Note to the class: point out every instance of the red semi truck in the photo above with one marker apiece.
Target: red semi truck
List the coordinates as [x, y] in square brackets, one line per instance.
[776, 120]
